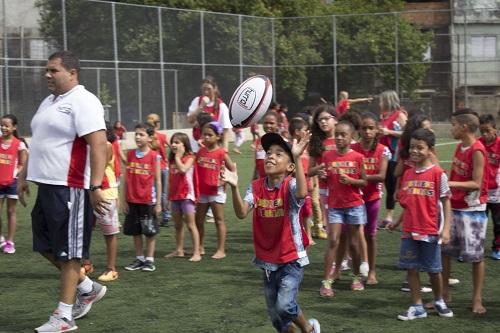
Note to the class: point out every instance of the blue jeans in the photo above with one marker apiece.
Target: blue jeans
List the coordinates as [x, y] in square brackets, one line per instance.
[280, 290]
[165, 213]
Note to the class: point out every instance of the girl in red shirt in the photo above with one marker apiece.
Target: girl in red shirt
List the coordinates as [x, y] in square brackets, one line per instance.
[270, 125]
[209, 160]
[182, 194]
[13, 155]
[375, 159]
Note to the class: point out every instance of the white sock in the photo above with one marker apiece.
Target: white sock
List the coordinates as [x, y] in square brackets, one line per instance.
[85, 286]
[141, 258]
[152, 259]
[65, 310]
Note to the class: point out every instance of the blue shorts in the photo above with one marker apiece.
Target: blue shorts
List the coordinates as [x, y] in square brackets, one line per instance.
[353, 215]
[281, 288]
[467, 235]
[420, 255]
[9, 191]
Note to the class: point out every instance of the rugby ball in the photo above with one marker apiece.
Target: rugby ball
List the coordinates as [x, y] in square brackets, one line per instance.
[250, 101]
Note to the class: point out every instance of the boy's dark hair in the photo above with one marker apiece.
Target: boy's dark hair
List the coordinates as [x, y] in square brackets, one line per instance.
[68, 60]
[353, 118]
[348, 124]
[150, 130]
[274, 106]
[184, 138]
[297, 123]
[414, 123]
[204, 118]
[485, 119]
[316, 147]
[467, 117]
[425, 135]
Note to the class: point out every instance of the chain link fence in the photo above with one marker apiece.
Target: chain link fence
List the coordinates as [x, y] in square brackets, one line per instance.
[144, 59]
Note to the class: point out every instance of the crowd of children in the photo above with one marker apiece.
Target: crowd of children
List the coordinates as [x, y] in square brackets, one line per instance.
[317, 175]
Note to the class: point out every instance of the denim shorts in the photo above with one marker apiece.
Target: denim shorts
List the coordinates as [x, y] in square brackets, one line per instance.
[467, 235]
[420, 255]
[281, 288]
[9, 191]
[353, 215]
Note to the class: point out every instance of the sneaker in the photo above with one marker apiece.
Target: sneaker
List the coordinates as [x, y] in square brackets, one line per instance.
[426, 290]
[413, 312]
[135, 265]
[460, 259]
[453, 282]
[57, 324]
[357, 284]
[148, 266]
[108, 275]
[9, 248]
[326, 289]
[315, 324]
[406, 288]
[364, 268]
[84, 301]
[442, 309]
[345, 265]
[495, 254]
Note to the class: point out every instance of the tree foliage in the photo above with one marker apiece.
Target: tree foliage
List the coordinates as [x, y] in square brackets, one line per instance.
[302, 45]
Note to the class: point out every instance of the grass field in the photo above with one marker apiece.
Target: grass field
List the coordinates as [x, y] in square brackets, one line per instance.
[226, 296]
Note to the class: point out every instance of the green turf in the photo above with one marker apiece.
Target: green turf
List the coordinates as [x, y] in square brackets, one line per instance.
[226, 296]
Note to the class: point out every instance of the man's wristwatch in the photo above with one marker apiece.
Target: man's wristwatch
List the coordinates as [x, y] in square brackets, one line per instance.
[95, 187]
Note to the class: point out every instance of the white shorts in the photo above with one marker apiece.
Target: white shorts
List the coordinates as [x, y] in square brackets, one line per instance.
[109, 222]
[220, 197]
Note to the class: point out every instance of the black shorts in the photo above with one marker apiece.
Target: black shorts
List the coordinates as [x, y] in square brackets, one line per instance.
[132, 225]
[62, 222]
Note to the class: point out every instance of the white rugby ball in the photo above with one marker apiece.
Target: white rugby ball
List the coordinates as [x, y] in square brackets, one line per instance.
[250, 101]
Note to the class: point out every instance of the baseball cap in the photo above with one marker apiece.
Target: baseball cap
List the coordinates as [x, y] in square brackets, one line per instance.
[270, 139]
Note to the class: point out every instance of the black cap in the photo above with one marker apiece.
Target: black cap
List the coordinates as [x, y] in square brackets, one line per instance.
[270, 139]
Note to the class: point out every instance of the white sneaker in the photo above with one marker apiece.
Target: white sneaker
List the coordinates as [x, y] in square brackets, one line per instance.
[345, 265]
[364, 268]
[453, 282]
[57, 324]
[315, 324]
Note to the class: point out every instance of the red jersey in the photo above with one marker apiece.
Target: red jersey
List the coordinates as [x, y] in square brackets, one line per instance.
[208, 164]
[371, 161]
[116, 151]
[342, 107]
[461, 171]
[272, 227]
[260, 155]
[493, 153]
[208, 109]
[183, 185]
[140, 177]
[419, 195]
[162, 140]
[8, 161]
[343, 195]
[329, 144]
[389, 123]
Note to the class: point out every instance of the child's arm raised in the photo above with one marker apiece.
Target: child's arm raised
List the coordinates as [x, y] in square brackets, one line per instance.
[478, 160]
[297, 150]
[241, 208]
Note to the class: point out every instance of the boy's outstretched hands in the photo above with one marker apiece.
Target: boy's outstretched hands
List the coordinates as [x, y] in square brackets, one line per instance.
[227, 176]
[299, 147]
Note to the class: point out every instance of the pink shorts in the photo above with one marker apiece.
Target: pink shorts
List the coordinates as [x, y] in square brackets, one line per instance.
[186, 206]
[109, 223]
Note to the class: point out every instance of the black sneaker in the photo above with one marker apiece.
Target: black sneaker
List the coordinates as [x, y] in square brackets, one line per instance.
[148, 266]
[135, 265]
[164, 223]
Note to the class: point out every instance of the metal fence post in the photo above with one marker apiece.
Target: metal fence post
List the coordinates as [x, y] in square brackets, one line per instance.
[176, 91]
[396, 48]
[6, 56]
[98, 82]
[202, 35]
[117, 72]
[334, 40]
[273, 46]
[64, 28]
[162, 72]
[240, 46]
[466, 92]
[139, 94]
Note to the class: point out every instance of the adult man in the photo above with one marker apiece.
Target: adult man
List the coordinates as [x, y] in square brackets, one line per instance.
[67, 157]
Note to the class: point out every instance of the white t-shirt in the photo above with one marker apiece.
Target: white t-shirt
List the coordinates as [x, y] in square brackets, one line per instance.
[223, 112]
[59, 154]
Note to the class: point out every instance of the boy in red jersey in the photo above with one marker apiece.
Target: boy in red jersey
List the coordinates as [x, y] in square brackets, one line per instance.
[469, 190]
[491, 142]
[279, 239]
[424, 196]
[345, 175]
